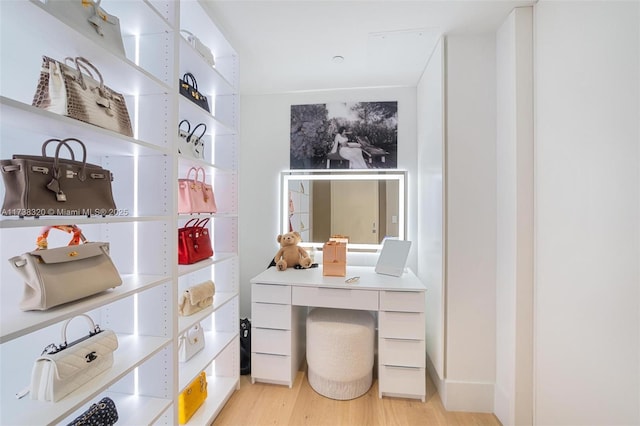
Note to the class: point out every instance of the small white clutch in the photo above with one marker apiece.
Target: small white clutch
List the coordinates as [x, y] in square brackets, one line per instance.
[190, 343]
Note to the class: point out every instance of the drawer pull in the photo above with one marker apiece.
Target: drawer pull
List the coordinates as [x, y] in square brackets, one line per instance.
[270, 354]
[401, 367]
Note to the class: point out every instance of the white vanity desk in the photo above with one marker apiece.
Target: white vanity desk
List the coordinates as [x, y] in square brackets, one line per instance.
[279, 301]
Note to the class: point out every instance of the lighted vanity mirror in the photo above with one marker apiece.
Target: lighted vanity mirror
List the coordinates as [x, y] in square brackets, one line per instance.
[366, 206]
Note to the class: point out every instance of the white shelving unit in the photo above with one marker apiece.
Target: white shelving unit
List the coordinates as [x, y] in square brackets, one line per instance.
[146, 377]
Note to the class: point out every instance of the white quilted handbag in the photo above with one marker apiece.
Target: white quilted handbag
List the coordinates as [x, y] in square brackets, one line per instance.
[63, 368]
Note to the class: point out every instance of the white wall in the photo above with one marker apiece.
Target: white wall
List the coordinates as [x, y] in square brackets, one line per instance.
[471, 223]
[430, 247]
[514, 250]
[264, 153]
[587, 179]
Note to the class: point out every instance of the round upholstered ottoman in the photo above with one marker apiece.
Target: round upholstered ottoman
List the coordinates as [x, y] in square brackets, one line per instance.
[340, 346]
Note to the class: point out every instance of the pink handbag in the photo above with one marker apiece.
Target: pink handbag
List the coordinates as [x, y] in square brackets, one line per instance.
[195, 196]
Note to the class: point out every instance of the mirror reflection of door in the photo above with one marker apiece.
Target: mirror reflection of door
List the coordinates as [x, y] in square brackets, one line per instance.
[351, 212]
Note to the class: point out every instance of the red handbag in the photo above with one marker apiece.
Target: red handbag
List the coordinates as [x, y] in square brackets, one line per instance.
[194, 242]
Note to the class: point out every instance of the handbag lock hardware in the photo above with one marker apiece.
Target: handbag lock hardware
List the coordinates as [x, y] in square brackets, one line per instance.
[40, 169]
[91, 356]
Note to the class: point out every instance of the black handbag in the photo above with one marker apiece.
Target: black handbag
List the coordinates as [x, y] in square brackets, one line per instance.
[103, 413]
[245, 346]
[189, 89]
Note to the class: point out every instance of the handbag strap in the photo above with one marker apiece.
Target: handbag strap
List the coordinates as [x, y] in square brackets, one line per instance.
[70, 62]
[196, 170]
[48, 141]
[204, 130]
[188, 126]
[201, 223]
[190, 80]
[82, 64]
[204, 175]
[93, 328]
[56, 170]
[43, 244]
[187, 225]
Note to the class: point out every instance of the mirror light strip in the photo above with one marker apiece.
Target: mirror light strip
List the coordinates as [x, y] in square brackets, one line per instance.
[319, 174]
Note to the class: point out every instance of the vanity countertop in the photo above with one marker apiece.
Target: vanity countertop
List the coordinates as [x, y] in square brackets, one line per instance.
[369, 279]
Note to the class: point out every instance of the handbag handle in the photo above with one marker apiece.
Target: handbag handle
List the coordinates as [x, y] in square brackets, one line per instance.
[105, 95]
[82, 64]
[190, 80]
[187, 225]
[56, 170]
[93, 328]
[200, 223]
[197, 172]
[76, 65]
[48, 141]
[188, 126]
[53, 348]
[204, 131]
[43, 244]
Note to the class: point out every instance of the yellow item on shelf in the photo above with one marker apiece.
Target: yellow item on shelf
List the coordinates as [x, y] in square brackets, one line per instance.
[192, 398]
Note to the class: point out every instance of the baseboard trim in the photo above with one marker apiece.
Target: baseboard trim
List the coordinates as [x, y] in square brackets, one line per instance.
[476, 397]
[501, 406]
[435, 378]
[473, 397]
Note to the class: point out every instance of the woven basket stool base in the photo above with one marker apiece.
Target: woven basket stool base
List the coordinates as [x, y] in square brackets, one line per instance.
[335, 389]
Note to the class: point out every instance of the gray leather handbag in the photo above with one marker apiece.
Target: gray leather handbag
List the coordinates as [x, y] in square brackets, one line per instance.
[90, 19]
[54, 186]
[64, 274]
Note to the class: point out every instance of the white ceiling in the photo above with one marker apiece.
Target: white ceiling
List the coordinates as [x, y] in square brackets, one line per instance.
[288, 46]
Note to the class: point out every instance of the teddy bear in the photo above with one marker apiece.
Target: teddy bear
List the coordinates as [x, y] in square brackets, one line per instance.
[290, 254]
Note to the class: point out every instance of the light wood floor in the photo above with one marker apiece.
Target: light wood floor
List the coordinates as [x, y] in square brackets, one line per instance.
[264, 404]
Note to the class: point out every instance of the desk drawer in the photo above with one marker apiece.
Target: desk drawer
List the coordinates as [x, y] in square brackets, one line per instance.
[402, 380]
[403, 301]
[269, 315]
[401, 325]
[271, 367]
[271, 293]
[402, 352]
[269, 341]
[344, 298]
